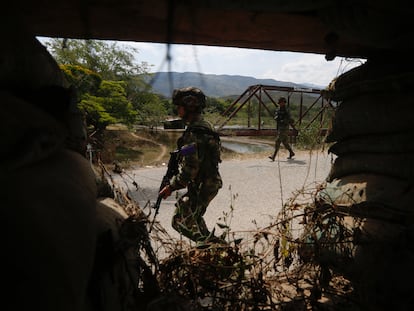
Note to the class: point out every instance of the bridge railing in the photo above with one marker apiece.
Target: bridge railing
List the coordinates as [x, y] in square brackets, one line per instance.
[309, 113]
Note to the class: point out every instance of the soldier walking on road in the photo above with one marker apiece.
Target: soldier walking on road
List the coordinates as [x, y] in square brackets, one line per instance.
[283, 120]
[198, 167]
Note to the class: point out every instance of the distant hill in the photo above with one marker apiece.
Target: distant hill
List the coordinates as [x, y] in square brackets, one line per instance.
[212, 85]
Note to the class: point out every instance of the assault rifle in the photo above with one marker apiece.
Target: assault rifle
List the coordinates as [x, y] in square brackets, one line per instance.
[172, 170]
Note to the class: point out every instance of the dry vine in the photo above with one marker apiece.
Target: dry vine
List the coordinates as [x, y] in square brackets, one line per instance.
[297, 263]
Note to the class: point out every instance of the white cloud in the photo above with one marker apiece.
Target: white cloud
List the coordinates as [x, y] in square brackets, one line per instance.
[311, 68]
[283, 66]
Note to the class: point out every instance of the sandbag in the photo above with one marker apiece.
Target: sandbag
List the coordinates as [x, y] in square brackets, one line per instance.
[48, 208]
[48, 192]
[397, 165]
[369, 189]
[28, 134]
[110, 215]
[121, 279]
[384, 143]
[372, 114]
[354, 189]
[372, 77]
[377, 212]
[371, 196]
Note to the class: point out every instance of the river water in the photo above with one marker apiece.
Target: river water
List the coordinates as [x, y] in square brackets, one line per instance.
[246, 147]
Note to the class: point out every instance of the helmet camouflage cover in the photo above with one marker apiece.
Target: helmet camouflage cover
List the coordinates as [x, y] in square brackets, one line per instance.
[191, 98]
[282, 100]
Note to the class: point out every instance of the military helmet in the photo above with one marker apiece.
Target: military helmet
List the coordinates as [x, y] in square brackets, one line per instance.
[192, 98]
[282, 99]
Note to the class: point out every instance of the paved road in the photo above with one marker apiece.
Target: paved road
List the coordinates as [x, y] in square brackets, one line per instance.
[255, 188]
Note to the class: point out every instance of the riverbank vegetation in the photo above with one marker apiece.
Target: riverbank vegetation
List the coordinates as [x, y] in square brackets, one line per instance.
[111, 90]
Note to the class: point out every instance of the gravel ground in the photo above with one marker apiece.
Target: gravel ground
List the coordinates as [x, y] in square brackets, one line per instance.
[255, 187]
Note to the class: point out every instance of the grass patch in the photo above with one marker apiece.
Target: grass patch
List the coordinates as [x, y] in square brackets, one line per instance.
[123, 153]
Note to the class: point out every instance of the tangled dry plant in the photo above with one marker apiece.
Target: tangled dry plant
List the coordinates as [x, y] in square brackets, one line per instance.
[297, 263]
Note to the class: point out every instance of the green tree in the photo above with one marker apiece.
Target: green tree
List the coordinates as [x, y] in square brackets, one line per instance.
[108, 79]
[115, 101]
[103, 102]
[84, 80]
[151, 109]
[95, 113]
[215, 105]
[106, 58]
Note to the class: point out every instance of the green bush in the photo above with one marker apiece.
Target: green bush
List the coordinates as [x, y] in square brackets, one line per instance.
[309, 137]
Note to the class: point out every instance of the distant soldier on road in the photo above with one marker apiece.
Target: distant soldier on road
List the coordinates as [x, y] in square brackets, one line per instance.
[283, 120]
[198, 170]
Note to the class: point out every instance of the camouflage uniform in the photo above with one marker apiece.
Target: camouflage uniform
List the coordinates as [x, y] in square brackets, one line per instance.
[283, 120]
[198, 171]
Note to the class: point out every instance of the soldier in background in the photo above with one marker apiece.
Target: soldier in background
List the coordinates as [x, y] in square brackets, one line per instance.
[198, 167]
[283, 120]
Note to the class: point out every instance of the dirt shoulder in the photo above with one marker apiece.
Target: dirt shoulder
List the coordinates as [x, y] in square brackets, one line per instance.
[145, 148]
[134, 149]
[163, 148]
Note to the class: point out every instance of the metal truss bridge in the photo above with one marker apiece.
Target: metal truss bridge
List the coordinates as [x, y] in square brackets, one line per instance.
[263, 100]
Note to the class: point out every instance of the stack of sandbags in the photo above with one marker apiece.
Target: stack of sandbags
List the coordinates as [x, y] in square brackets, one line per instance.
[371, 180]
[47, 187]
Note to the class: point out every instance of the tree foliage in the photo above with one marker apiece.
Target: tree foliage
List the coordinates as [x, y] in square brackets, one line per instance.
[83, 79]
[106, 58]
[103, 102]
[109, 82]
[95, 113]
[151, 110]
[216, 105]
[115, 101]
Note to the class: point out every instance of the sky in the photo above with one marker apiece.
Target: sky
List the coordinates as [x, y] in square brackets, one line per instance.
[283, 66]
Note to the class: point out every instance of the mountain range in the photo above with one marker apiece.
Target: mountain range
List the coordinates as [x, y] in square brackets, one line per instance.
[164, 83]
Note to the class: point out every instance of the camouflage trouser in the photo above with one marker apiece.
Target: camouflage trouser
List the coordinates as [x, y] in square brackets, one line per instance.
[282, 137]
[190, 208]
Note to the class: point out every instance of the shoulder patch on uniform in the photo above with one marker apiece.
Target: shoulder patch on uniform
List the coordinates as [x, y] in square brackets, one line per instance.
[188, 149]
